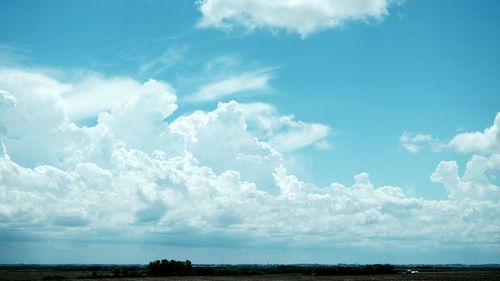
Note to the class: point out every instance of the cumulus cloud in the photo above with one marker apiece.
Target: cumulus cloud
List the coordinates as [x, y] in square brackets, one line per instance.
[206, 173]
[246, 82]
[247, 137]
[304, 17]
[98, 94]
[141, 117]
[223, 139]
[487, 141]
[283, 133]
[33, 116]
[474, 184]
[166, 194]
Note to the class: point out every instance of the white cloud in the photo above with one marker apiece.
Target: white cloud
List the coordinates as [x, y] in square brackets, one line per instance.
[208, 172]
[304, 17]
[159, 64]
[139, 120]
[136, 118]
[298, 135]
[323, 145]
[283, 133]
[474, 184]
[247, 137]
[143, 194]
[246, 82]
[136, 113]
[7, 100]
[30, 108]
[413, 142]
[487, 141]
[96, 94]
[223, 140]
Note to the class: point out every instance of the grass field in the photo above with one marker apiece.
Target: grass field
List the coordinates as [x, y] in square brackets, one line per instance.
[18, 275]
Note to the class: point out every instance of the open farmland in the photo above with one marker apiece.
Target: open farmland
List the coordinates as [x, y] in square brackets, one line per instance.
[18, 275]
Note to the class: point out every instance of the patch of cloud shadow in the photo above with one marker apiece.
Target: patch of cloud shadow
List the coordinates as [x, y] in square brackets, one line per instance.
[227, 220]
[151, 213]
[493, 177]
[18, 235]
[70, 221]
[188, 237]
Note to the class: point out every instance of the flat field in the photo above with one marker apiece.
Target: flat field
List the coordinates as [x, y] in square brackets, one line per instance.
[18, 275]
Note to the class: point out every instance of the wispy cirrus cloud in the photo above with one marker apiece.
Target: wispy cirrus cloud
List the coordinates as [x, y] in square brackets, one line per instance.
[170, 57]
[414, 142]
[232, 86]
[11, 54]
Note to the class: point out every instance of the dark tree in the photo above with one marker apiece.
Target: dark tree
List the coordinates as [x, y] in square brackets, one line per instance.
[170, 268]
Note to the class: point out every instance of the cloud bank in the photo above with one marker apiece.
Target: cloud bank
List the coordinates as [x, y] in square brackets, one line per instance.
[141, 175]
[304, 17]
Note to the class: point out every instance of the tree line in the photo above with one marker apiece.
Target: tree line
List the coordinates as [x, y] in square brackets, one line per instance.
[182, 268]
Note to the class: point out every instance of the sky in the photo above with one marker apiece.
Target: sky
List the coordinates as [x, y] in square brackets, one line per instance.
[223, 131]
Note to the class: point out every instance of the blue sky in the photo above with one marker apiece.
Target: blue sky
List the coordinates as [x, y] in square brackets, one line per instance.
[250, 127]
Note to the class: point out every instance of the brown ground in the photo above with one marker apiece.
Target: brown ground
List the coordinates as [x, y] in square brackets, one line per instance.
[427, 276]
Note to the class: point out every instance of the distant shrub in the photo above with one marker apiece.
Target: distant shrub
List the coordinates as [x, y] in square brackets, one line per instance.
[53, 277]
[170, 268]
[371, 269]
